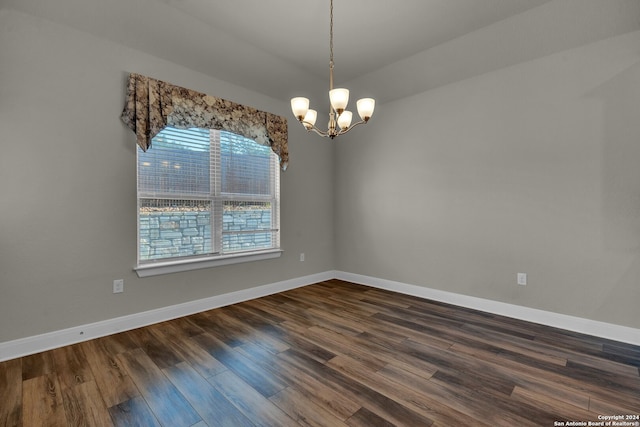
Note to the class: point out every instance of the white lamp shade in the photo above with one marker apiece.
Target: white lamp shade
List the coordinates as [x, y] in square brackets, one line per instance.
[366, 107]
[310, 118]
[339, 99]
[344, 120]
[299, 106]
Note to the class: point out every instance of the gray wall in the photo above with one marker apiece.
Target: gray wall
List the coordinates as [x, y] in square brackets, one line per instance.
[532, 168]
[65, 153]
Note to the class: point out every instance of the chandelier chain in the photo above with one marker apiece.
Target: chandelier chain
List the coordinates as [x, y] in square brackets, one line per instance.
[331, 34]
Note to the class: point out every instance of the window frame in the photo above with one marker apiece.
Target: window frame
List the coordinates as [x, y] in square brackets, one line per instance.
[152, 267]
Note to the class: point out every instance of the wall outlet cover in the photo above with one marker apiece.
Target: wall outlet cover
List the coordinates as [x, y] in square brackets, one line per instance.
[118, 286]
[522, 279]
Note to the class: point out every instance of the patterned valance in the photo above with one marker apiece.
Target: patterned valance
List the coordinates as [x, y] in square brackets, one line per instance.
[152, 105]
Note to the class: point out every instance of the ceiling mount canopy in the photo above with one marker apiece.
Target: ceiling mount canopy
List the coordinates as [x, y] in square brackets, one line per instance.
[339, 117]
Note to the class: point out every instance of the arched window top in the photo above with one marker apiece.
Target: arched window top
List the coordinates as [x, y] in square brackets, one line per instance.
[152, 105]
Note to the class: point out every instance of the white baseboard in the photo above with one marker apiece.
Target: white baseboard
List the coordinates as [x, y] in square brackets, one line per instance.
[35, 344]
[557, 320]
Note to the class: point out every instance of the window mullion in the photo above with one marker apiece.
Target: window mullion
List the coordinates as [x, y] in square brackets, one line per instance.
[216, 188]
[275, 204]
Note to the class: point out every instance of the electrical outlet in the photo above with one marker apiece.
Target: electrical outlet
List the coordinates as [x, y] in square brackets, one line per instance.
[301, 256]
[522, 279]
[118, 286]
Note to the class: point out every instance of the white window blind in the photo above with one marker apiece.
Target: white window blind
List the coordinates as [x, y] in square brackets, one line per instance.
[206, 193]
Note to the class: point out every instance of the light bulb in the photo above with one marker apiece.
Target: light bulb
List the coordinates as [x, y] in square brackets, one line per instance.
[310, 119]
[366, 107]
[299, 106]
[344, 120]
[339, 99]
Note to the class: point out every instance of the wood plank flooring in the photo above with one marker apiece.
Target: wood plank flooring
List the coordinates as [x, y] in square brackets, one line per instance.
[330, 354]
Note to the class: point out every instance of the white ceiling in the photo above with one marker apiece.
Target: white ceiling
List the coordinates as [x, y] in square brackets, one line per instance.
[281, 47]
[367, 34]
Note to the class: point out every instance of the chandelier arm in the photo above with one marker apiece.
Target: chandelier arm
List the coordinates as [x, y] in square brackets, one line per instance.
[343, 131]
[313, 127]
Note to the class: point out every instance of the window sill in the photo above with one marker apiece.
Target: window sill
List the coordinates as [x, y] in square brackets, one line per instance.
[167, 267]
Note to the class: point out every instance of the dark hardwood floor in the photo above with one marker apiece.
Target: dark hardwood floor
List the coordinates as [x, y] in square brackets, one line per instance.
[329, 354]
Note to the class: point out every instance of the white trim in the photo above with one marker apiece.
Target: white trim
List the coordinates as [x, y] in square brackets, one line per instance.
[557, 320]
[176, 266]
[35, 344]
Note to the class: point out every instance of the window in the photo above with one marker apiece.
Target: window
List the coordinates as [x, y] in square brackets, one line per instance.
[206, 197]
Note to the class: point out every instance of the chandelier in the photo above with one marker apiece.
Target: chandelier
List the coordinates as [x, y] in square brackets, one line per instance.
[339, 117]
